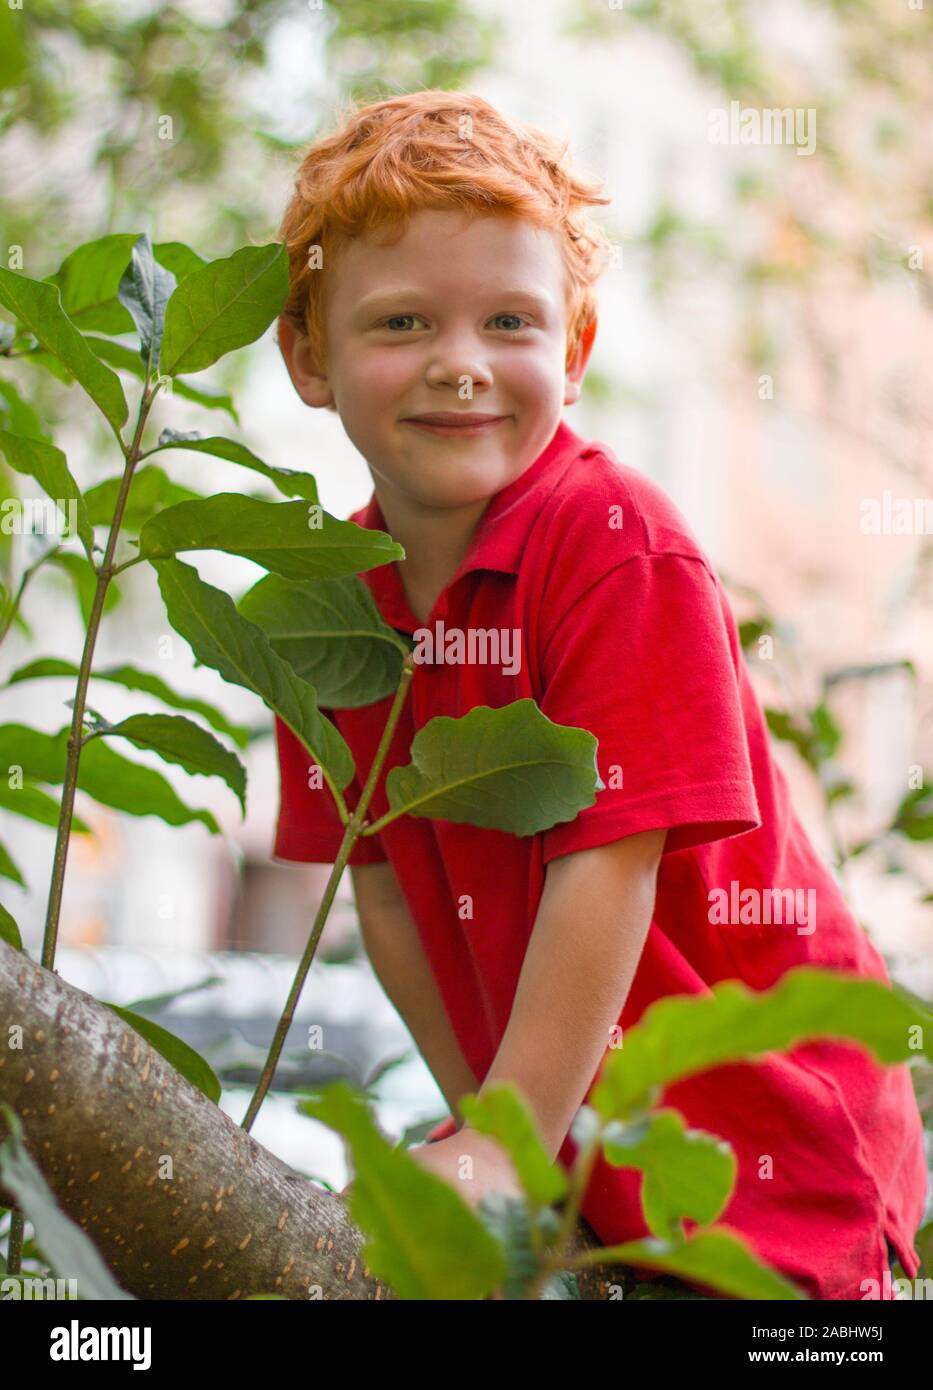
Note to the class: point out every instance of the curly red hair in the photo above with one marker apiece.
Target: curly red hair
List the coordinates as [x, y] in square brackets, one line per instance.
[434, 149]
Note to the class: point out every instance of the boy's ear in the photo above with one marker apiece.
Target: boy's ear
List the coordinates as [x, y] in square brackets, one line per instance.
[295, 348]
[576, 365]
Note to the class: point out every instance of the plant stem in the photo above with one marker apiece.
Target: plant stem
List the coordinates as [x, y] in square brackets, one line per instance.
[14, 1256]
[351, 834]
[557, 1260]
[104, 575]
[24, 580]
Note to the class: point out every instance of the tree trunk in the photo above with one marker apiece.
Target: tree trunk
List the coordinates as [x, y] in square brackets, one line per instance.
[179, 1200]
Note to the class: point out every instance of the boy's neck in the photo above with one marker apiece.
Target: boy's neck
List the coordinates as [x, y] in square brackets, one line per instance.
[435, 540]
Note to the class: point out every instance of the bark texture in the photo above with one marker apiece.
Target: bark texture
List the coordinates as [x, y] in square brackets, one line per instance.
[179, 1200]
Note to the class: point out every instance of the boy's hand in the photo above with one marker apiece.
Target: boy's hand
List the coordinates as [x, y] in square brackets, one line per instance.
[490, 1169]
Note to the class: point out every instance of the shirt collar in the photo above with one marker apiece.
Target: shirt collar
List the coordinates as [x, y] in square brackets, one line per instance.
[501, 533]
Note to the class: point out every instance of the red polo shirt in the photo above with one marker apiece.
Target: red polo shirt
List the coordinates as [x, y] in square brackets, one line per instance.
[625, 631]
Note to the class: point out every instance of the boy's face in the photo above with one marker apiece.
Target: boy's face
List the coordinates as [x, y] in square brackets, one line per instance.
[461, 315]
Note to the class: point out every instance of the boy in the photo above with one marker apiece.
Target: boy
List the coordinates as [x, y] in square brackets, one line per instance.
[441, 302]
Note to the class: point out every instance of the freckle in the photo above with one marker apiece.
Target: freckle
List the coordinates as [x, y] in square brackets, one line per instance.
[127, 1166]
[246, 1240]
[211, 1240]
[138, 1151]
[94, 1176]
[181, 1245]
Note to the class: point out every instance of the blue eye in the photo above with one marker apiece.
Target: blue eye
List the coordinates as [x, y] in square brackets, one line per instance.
[520, 320]
[396, 317]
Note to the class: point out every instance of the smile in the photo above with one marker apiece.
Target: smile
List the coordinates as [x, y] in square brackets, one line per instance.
[476, 427]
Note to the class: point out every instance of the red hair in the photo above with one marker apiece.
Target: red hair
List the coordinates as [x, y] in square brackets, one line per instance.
[434, 149]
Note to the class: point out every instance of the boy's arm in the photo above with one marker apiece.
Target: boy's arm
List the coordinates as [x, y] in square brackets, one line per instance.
[397, 956]
[588, 935]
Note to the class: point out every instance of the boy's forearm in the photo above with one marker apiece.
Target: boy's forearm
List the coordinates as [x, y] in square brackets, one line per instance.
[584, 949]
[397, 956]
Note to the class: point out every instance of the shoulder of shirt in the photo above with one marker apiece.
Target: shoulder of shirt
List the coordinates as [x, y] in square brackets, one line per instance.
[623, 512]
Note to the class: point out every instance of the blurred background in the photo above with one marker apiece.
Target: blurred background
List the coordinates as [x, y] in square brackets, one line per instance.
[763, 352]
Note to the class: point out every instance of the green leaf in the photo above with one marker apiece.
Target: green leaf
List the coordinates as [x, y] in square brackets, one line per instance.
[178, 258]
[224, 306]
[179, 740]
[151, 1003]
[688, 1173]
[18, 415]
[49, 467]
[295, 539]
[68, 1251]
[88, 279]
[132, 678]
[33, 803]
[501, 1113]
[331, 632]
[37, 307]
[176, 1052]
[288, 481]
[507, 769]
[683, 1035]
[145, 290]
[78, 568]
[423, 1239]
[207, 619]
[9, 868]
[914, 818]
[9, 931]
[102, 773]
[716, 1258]
[126, 360]
[151, 489]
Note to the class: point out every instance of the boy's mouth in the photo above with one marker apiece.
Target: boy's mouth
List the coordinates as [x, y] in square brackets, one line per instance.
[454, 422]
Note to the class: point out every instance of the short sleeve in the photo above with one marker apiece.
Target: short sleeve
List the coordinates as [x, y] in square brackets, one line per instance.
[644, 659]
[308, 827]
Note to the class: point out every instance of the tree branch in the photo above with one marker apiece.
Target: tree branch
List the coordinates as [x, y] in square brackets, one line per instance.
[180, 1201]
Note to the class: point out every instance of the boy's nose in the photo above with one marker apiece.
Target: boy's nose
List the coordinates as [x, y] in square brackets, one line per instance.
[459, 362]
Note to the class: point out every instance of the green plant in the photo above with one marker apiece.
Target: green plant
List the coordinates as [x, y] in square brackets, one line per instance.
[186, 315]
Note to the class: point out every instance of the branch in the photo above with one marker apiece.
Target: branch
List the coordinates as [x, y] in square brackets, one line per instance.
[102, 1114]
